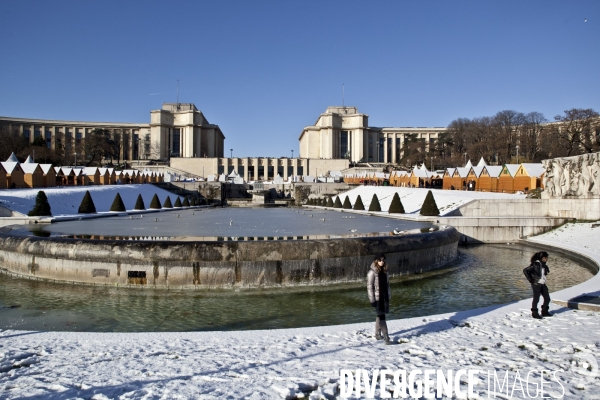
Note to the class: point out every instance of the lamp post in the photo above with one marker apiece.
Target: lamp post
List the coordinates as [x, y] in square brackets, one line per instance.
[231, 153]
[517, 146]
[465, 159]
[75, 154]
[292, 153]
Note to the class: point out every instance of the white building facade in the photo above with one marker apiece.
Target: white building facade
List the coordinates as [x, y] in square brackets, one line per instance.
[344, 133]
[176, 130]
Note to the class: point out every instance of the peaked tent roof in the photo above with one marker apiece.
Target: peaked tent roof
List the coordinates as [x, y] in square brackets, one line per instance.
[29, 160]
[9, 166]
[494, 170]
[30, 168]
[481, 163]
[469, 164]
[12, 158]
[464, 172]
[478, 169]
[534, 169]
[512, 168]
[46, 168]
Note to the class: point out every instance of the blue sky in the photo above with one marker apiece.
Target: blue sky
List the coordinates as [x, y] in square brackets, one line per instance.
[263, 70]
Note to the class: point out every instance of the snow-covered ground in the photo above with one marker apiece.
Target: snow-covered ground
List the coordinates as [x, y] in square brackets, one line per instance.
[66, 200]
[306, 362]
[412, 198]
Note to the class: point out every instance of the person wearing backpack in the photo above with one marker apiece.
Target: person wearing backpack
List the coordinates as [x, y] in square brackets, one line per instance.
[536, 274]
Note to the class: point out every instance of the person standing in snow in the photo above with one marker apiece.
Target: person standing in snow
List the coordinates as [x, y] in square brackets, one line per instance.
[378, 289]
[536, 274]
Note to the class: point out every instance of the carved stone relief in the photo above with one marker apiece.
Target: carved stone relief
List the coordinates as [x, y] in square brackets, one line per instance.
[573, 177]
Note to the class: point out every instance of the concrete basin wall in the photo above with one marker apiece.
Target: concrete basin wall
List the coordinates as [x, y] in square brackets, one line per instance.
[222, 264]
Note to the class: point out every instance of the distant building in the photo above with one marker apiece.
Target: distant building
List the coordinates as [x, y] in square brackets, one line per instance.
[176, 130]
[344, 133]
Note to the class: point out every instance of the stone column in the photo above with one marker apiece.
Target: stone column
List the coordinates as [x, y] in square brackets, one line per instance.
[394, 160]
[385, 148]
[295, 167]
[255, 168]
[246, 162]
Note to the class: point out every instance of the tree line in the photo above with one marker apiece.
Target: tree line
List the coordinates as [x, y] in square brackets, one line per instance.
[508, 137]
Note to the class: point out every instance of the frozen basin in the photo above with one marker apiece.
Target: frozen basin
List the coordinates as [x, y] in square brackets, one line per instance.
[192, 248]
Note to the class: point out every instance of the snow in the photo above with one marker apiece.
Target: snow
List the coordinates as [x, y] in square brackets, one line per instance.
[305, 362]
[66, 200]
[412, 198]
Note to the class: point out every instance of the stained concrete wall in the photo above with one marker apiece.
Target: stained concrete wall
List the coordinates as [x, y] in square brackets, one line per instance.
[223, 264]
[501, 221]
[588, 209]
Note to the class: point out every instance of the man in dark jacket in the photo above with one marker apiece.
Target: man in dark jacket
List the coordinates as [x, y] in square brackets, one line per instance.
[536, 274]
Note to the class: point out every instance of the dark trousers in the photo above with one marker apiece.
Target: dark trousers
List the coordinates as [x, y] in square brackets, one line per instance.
[539, 289]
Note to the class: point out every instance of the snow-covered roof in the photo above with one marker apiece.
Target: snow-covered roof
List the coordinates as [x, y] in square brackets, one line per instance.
[30, 168]
[512, 168]
[47, 168]
[9, 166]
[29, 160]
[464, 171]
[481, 163]
[90, 170]
[469, 164]
[493, 170]
[335, 173]
[450, 171]
[421, 173]
[534, 169]
[478, 169]
[12, 158]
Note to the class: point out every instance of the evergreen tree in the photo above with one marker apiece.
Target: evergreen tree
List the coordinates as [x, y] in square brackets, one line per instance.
[338, 203]
[167, 203]
[139, 203]
[178, 202]
[347, 204]
[155, 202]
[358, 204]
[396, 206]
[186, 202]
[117, 204]
[429, 207]
[87, 204]
[41, 207]
[329, 202]
[374, 206]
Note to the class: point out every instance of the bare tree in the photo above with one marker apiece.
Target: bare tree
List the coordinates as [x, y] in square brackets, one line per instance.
[457, 130]
[578, 130]
[507, 125]
[11, 140]
[530, 137]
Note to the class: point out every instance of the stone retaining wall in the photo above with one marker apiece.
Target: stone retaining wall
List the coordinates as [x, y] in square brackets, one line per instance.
[180, 264]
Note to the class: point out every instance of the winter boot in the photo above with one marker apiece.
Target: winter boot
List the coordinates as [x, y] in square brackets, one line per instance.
[384, 332]
[545, 312]
[378, 335]
[535, 314]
